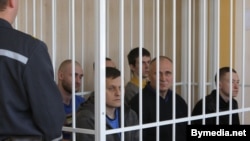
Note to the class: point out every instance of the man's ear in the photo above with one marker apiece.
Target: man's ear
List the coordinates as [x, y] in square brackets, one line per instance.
[220, 85]
[60, 75]
[132, 67]
[11, 3]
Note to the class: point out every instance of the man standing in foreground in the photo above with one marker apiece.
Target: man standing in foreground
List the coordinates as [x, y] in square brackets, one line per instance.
[149, 107]
[30, 105]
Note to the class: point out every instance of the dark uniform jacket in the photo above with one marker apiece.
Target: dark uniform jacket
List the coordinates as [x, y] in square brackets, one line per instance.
[30, 102]
[211, 108]
[166, 112]
[85, 118]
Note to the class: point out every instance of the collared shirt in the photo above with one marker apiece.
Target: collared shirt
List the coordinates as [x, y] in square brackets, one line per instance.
[135, 81]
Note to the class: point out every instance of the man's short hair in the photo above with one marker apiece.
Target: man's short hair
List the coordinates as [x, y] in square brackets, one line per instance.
[223, 71]
[66, 62]
[112, 72]
[107, 59]
[134, 54]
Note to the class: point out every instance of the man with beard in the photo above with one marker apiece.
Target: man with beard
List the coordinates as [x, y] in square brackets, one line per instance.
[65, 87]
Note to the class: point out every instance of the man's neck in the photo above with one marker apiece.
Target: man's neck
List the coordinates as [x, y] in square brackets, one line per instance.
[163, 94]
[135, 80]
[137, 77]
[66, 97]
[224, 97]
[110, 112]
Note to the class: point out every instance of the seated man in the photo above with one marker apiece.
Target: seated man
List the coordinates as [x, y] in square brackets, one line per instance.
[132, 87]
[65, 87]
[224, 98]
[149, 103]
[86, 113]
[109, 63]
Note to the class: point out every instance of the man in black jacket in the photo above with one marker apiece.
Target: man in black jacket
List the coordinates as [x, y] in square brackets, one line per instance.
[30, 105]
[149, 103]
[224, 98]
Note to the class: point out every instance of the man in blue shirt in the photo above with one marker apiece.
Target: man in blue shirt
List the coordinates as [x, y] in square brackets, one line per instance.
[65, 87]
[86, 114]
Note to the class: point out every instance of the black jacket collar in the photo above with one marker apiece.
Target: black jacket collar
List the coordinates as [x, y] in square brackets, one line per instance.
[4, 23]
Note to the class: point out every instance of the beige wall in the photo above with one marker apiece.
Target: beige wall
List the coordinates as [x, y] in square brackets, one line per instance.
[60, 45]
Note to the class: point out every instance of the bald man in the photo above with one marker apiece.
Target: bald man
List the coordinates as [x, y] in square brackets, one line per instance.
[65, 87]
[165, 102]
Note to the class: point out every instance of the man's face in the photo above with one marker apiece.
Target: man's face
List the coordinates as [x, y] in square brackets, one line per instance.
[225, 85]
[67, 78]
[145, 66]
[165, 75]
[113, 92]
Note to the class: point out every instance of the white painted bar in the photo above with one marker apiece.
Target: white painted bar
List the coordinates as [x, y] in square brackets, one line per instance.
[100, 74]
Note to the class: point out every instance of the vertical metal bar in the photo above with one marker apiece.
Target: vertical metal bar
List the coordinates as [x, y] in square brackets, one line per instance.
[121, 46]
[189, 82]
[108, 29]
[174, 70]
[16, 22]
[34, 18]
[217, 52]
[243, 58]
[185, 46]
[157, 68]
[69, 28]
[54, 40]
[83, 41]
[41, 19]
[72, 33]
[131, 23]
[141, 29]
[26, 17]
[203, 45]
[153, 26]
[164, 28]
[189, 56]
[212, 43]
[100, 73]
[194, 47]
[231, 59]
